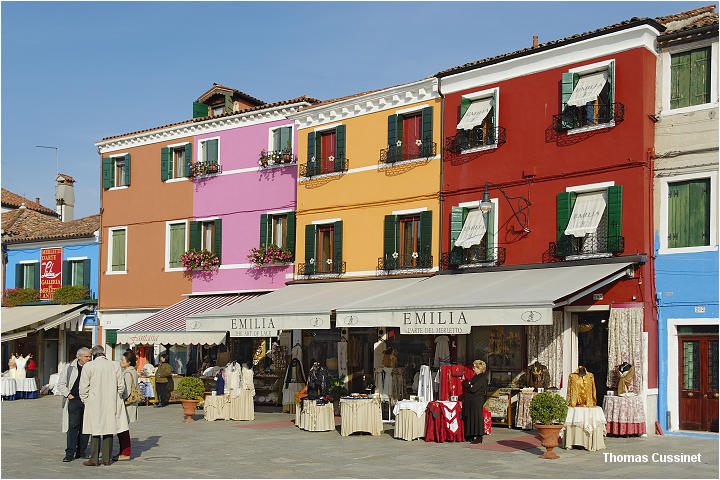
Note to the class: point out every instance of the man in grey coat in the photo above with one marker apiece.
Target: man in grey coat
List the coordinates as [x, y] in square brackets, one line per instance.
[101, 389]
[73, 408]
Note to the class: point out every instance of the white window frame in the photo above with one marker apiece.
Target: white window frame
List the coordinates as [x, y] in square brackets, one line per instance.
[25, 263]
[495, 94]
[667, 76]
[201, 145]
[167, 244]
[586, 70]
[496, 216]
[114, 158]
[73, 262]
[202, 238]
[271, 130]
[109, 270]
[664, 188]
[171, 151]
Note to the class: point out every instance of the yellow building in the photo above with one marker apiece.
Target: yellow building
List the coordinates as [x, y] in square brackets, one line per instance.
[368, 200]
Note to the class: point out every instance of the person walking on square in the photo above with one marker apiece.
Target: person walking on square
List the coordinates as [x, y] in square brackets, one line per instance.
[163, 381]
[130, 377]
[101, 390]
[73, 408]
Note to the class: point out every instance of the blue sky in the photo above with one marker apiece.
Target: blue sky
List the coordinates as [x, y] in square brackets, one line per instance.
[75, 72]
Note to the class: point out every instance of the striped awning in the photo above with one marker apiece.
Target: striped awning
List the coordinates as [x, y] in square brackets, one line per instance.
[168, 325]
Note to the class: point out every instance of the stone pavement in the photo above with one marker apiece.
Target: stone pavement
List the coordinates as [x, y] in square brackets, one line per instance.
[271, 447]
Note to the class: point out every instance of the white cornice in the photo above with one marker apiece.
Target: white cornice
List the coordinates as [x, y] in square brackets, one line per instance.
[389, 99]
[641, 36]
[197, 128]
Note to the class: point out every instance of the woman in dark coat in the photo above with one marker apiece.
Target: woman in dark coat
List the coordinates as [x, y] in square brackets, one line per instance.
[475, 394]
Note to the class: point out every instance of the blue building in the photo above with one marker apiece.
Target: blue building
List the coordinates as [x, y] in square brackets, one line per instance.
[686, 219]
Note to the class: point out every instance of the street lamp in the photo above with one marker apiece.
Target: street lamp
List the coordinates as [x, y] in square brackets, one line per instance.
[522, 204]
[57, 165]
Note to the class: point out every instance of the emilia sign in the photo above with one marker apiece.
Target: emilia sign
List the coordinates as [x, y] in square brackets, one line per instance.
[50, 272]
[258, 326]
[253, 327]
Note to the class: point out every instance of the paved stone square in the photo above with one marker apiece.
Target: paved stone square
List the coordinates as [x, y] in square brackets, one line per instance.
[272, 447]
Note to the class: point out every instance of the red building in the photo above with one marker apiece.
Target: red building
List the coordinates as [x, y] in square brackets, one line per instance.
[563, 132]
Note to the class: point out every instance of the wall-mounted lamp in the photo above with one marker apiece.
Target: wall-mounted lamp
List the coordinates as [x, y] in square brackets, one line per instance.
[523, 205]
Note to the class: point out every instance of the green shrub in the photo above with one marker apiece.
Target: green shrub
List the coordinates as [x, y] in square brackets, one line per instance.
[70, 294]
[548, 408]
[18, 296]
[191, 388]
[337, 390]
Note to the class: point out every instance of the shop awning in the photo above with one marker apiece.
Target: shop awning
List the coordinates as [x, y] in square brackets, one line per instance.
[168, 325]
[454, 303]
[586, 214]
[14, 318]
[473, 230]
[475, 114]
[15, 336]
[587, 89]
[298, 306]
[72, 317]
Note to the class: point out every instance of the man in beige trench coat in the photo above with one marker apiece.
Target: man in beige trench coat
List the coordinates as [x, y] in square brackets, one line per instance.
[101, 389]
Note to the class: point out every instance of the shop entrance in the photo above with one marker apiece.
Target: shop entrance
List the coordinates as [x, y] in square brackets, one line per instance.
[593, 348]
[698, 381]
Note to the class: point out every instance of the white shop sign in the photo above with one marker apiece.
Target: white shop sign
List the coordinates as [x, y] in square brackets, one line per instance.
[258, 326]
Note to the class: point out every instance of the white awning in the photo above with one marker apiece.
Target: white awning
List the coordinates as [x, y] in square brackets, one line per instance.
[171, 337]
[453, 303]
[21, 316]
[586, 214]
[587, 89]
[475, 114]
[15, 336]
[473, 230]
[70, 317]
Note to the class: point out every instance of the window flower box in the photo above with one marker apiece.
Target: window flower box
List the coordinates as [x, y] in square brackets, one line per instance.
[199, 169]
[271, 255]
[202, 261]
[272, 158]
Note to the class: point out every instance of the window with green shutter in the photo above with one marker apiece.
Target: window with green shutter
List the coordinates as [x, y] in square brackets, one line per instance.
[310, 244]
[176, 244]
[689, 213]
[588, 97]
[117, 250]
[690, 78]
[200, 110]
[29, 274]
[482, 252]
[77, 272]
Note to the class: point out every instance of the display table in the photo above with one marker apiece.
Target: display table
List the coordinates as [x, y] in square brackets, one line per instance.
[8, 388]
[147, 388]
[584, 427]
[625, 415]
[522, 417]
[315, 418]
[26, 388]
[227, 407]
[409, 419]
[360, 415]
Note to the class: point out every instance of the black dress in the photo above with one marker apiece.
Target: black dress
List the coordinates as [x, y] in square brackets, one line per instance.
[475, 394]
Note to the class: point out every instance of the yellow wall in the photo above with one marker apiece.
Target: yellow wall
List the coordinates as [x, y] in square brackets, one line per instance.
[362, 199]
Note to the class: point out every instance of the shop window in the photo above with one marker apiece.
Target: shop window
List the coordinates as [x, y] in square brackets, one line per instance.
[690, 78]
[689, 213]
[116, 171]
[175, 245]
[323, 248]
[117, 249]
[503, 349]
[407, 241]
[205, 235]
[587, 96]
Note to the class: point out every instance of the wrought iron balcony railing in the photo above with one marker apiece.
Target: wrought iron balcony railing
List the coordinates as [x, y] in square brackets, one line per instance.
[279, 157]
[478, 255]
[411, 151]
[588, 115]
[312, 268]
[476, 138]
[590, 244]
[409, 261]
[320, 166]
[199, 169]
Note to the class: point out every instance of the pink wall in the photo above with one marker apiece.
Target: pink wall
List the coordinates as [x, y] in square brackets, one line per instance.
[239, 199]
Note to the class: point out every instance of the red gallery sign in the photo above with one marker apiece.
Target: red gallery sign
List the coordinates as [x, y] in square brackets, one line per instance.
[50, 272]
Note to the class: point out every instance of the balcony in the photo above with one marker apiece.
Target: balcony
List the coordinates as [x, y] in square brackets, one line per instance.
[591, 245]
[311, 268]
[588, 116]
[475, 140]
[202, 169]
[276, 158]
[477, 256]
[323, 165]
[410, 261]
[412, 151]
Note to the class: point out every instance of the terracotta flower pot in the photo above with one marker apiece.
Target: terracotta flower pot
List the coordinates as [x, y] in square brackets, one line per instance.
[189, 407]
[549, 437]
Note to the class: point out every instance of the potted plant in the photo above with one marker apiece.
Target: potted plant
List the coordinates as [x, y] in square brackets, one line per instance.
[191, 391]
[548, 410]
[336, 391]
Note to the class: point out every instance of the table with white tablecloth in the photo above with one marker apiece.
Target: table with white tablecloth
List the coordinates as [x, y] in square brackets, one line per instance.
[522, 417]
[315, 418]
[584, 427]
[229, 407]
[625, 415]
[409, 419]
[26, 388]
[8, 388]
[360, 415]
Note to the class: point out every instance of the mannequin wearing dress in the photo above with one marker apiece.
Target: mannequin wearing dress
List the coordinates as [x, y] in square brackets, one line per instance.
[21, 362]
[12, 366]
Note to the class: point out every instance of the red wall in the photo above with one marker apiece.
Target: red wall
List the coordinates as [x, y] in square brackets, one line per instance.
[538, 163]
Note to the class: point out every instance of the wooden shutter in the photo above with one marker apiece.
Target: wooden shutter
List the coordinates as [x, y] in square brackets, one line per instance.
[188, 159]
[107, 169]
[392, 130]
[427, 127]
[425, 243]
[211, 147]
[127, 169]
[194, 236]
[290, 232]
[263, 230]
[565, 204]
[611, 83]
[86, 273]
[464, 105]
[490, 235]
[699, 214]
[36, 275]
[111, 337]
[676, 215]
[217, 241]
[680, 80]
[700, 76]
[390, 241]
[457, 219]
[66, 272]
[568, 84]
[311, 160]
[19, 275]
[310, 239]
[340, 148]
[200, 110]
[228, 104]
[337, 246]
[164, 163]
[614, 218]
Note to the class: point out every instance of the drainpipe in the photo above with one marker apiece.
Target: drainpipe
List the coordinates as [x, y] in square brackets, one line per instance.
[442, 166]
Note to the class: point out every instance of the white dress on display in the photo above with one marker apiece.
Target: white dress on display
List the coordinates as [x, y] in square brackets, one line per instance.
[379, 348]
[12, 365]
[21, 362]
[425, 384]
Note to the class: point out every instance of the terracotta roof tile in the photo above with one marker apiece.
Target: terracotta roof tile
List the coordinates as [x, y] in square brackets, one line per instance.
[67, 178]
[14, 200]
[234, 90]
[304, 98]
[689, 20]
[24, 225]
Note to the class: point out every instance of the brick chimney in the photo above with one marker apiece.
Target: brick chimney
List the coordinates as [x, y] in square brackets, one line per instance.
[535, 41]
[65, 197]
[37, 200]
